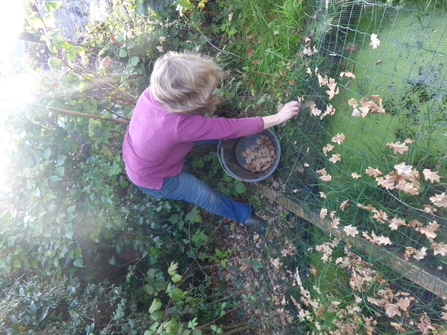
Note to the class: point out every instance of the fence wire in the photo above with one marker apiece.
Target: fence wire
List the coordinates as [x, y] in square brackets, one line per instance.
[368, 155]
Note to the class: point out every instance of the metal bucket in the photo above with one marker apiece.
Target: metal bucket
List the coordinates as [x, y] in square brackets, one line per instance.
[230, 150]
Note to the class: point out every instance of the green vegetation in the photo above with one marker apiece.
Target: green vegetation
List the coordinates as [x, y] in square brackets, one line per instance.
[84, 251]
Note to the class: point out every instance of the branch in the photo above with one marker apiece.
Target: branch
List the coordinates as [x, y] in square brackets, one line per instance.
[54, 109]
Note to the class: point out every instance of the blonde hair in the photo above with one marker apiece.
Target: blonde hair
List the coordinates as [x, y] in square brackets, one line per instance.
[184, 82]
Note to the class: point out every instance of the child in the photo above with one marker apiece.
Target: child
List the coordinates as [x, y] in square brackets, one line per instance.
[169, 117]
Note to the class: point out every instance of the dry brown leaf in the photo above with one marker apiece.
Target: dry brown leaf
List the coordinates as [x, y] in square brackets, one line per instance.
[339, 138]
[398, 147]
[431, 175]
[373, 172]
[333, 89]
[355, 175]
[327, 177]
[352, 102]
[350, 230]
[398, 326]
[327, 148]
[335, 158]
[439, 200]
[403, 169]
[439, 248]
[344, 204]
[347, 74]
[430, 230]
[396, 222]
[374, 41]
[392, 310]
[323, 213]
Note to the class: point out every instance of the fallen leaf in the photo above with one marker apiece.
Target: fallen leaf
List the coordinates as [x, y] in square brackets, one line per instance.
[392, 310]
[333, 89]
[431, 175]
[356, 113]
[350, 230]
[355, 175]
[398, 147]
[439, 200]
[403, 169]
[323, 213]
[352, 102]
[404, 303]
[322, 195]
[430, 230]
[339, 138]
[159, 48]
[326, 178]
[250, 51]
[344, 204]
[327, 148]
[376, 98]
[374, 41]
[335, 158]
[396, 222]
[420, 254]
[398, 326]
[439, 248]
[347, 74]
[372, 172]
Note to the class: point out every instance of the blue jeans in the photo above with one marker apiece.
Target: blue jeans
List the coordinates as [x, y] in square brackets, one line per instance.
[185, 186]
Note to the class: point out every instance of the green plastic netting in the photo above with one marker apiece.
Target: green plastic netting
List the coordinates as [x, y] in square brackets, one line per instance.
[368, 155]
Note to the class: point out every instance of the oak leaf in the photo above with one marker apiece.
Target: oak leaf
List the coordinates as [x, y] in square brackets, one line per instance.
[439, 200]
[356, 113]
[365, 108]
[431, 175]
[430, 230]
[339, 138]
[335, 158]
[355, 175]
[327, 148]
[344, 204]
[322, 195]
[398, 147]
[373, 172]
[396, 222]
[403, 169]
[347, 74]
[398, 326]
[327, 177]
[420, 254]
[333, 89]
[374, 41]
[352, 102]
[323, 213]
[350, 230]
[392, 310]
[439, 248]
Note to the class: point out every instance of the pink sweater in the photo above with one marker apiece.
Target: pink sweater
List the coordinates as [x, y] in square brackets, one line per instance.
[157, 140]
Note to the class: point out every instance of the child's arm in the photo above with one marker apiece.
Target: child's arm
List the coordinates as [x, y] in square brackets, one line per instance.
[288, 111]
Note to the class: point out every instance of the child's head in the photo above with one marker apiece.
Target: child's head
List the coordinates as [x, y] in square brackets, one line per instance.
[184, 83]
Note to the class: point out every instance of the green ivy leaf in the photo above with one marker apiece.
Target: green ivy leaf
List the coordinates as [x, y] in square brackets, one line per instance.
[130, 44]
[134, 61]
[122, 53]
[54, 63]
[240, 187]
[176, 278]
[156, 305]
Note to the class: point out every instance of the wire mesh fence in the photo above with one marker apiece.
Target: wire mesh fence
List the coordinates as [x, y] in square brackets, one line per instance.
[367, 159]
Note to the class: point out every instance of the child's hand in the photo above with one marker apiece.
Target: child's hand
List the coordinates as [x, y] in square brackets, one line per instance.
[289, 110]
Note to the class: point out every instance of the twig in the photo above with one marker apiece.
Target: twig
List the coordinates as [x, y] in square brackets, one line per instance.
[66, 111]
[417, 209]
[206, 38]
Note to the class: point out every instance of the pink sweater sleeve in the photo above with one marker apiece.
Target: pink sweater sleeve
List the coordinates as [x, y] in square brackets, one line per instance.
[197, 127]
